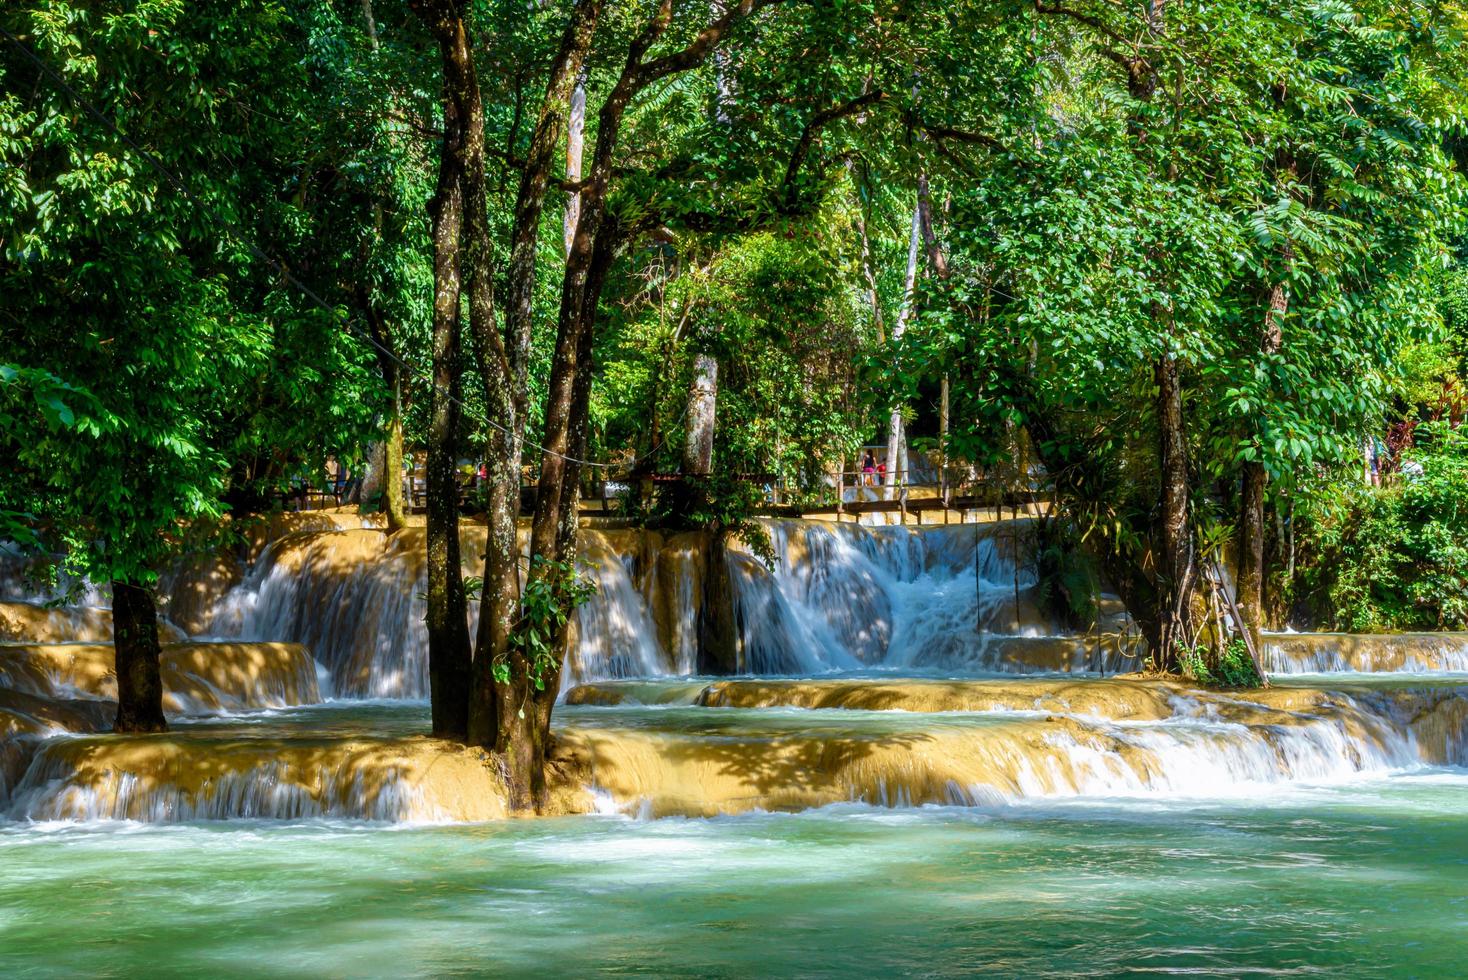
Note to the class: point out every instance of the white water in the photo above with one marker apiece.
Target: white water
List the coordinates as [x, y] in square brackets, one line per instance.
[840, 596]
[1324, 653]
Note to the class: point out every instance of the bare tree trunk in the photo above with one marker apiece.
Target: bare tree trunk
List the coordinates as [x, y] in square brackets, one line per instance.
[575, 141]
[703, 386]
[136, 651]
[703, 394]
[392, 469]
[943, 439]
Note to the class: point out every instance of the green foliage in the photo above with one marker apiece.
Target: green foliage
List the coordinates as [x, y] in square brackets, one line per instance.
[1233, 668]
[1395, 557]
[719, 504]
[786, 335]
[553, 591]
[1070, 577]
[211, 379]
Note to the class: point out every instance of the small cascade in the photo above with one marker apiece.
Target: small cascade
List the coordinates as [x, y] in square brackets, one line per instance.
[354, 598]
[1020, 745]
[676, 598]
[615, 633]
[34, 622]
[844, 595]
[198, 678]
[31, 622]
[1319, 653]
[185, 777]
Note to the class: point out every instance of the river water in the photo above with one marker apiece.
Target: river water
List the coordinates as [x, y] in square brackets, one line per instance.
[1364, 878]
[920, 773]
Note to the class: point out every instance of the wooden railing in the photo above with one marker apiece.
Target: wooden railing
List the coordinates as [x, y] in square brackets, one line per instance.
[957, 490]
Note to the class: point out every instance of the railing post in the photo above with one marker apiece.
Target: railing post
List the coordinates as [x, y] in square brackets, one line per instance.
[840, 489]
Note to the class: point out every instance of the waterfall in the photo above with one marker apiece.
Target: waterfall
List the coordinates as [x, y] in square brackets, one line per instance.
[1318, 653]
[686, 763]
[354, 598]
[615, 632]
[187, 776]
[844, 595]
[837, 597]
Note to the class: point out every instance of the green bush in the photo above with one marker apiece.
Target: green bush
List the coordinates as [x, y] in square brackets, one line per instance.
[1396, 557]
[1234, 668]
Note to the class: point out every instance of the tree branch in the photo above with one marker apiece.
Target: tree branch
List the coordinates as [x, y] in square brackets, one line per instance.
[1100, 27]
[813, 126]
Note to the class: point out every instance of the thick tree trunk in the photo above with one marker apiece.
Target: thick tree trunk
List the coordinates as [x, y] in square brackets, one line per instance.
[1177, 571]
[136, 651]
[718, 633]
[448, 629]
[703, 395]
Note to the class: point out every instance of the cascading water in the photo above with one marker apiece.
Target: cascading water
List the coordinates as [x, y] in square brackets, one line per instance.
[842, 595]
[839, 596]
[957, 600]
[1323, 653]
[354, 598]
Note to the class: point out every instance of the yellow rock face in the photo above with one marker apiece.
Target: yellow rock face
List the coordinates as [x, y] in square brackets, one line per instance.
[197, 677]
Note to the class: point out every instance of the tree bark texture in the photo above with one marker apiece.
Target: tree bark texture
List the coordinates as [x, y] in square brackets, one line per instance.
[1177, 570]
[448, 629]
[136, 650]
[896, 440]
[703, 394]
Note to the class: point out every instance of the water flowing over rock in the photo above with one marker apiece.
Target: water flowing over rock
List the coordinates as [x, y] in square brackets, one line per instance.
[185, 776]
[1301, 653]
[198, 678]
[839, 596]
[988, 742]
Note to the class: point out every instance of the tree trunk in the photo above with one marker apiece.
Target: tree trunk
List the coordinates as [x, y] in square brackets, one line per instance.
[524, 734]
[136, 651]
[392, 469]
[496, 707]
[703, 394]
[718, 633]
[1176, 562]
[1250, 576]
[575, 141]
[448, 629]
[868, 270]
[943, 396]
[896, 441]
